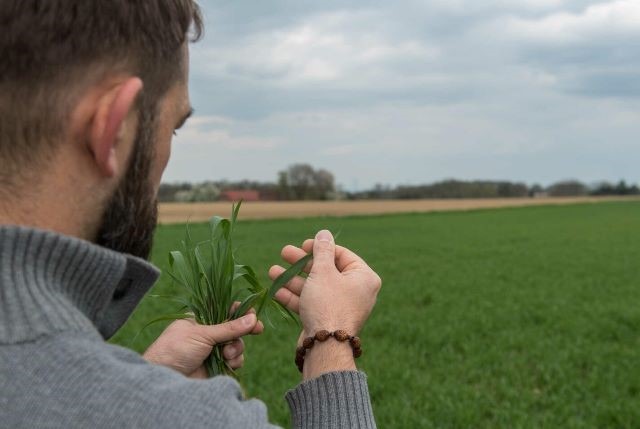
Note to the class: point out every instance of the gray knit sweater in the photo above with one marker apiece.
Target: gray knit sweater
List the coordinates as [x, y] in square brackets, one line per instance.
[60, 297]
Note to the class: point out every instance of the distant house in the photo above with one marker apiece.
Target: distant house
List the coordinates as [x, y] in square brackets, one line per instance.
[237, 195]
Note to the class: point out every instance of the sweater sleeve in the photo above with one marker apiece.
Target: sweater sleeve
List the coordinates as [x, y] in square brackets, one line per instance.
[333, 400]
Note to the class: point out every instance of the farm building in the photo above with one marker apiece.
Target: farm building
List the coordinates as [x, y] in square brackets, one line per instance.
[237, 195]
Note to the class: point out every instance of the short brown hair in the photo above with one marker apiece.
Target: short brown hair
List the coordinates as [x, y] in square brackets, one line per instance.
[48, 48]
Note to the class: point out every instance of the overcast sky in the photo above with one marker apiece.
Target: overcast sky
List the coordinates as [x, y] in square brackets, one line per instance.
[410, 91]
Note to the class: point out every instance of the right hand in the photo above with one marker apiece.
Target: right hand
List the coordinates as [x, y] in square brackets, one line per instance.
[339, 292]
[185, 345]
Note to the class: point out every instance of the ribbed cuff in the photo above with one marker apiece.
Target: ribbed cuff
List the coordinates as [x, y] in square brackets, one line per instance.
[333, 400]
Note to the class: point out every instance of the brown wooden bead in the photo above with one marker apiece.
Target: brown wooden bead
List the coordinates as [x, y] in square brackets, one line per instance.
[322, 335]
[307, 343]
[341, 335]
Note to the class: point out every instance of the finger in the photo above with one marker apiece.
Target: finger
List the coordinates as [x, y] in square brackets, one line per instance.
[295, 285]
[288, 299]
[234, 307]
[347, 260]
[293, 254]
[237, 304]
[234, 349]
[259, 326]
[228, 331]
[324, 251]
[307, 245]
[236, 363]
[275, 271]
[259, 329]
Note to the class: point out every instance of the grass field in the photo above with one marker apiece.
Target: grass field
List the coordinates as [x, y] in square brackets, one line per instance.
[510, 318]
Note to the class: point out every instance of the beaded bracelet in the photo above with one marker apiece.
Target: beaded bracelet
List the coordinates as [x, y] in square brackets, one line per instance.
[323, 336]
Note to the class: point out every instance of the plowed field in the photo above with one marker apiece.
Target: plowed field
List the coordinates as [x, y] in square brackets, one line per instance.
[198, 212]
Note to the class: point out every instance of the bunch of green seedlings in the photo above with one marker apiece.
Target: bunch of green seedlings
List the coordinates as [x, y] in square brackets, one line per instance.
[213, 281]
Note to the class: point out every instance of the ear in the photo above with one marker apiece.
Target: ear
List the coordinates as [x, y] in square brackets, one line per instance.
[107, 126]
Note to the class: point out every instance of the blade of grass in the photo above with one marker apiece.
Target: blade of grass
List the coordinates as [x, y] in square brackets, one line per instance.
[289, 274]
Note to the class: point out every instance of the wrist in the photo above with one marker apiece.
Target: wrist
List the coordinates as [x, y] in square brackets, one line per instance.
[151, 357]
[328, 356]
[327, 351]
[331, 327]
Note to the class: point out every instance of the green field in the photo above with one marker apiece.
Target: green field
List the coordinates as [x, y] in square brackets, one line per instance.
[509, 318]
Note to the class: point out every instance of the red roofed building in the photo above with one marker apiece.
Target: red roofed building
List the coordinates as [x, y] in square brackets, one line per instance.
[237, 195]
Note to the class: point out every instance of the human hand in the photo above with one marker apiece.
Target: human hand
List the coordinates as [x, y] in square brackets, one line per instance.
[184, 345]
[339, 292]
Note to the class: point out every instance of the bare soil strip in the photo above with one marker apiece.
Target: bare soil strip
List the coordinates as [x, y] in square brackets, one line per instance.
[199, 212]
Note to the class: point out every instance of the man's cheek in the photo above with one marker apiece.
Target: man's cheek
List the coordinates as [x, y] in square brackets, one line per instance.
[160, 163]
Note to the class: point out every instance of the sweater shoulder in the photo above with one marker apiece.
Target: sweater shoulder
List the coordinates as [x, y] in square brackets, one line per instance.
[85, 381]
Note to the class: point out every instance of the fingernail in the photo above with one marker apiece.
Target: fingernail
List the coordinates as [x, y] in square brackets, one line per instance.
[232, 350]
[324, 235]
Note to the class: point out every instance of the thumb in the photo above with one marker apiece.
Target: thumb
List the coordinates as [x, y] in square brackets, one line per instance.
[230, 330]
[324, 250]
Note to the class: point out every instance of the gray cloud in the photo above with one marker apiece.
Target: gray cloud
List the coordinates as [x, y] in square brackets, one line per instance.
[412, 91]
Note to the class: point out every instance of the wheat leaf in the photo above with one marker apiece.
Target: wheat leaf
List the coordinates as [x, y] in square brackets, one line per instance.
[289, 274]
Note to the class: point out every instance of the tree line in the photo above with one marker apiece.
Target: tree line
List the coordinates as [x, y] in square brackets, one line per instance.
[303, 182]
[297, 182]
[496, 189]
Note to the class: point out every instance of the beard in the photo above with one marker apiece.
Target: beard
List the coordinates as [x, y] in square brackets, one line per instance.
[131, 214]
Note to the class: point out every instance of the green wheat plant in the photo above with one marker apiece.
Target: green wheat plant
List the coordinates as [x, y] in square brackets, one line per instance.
[212, 280]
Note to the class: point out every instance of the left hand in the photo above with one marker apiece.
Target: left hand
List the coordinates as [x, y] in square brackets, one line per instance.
[185, 344]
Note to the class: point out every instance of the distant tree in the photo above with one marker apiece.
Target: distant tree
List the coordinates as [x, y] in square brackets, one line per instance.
[603, 188]
[324, 184]
[621, 188]
[301, 178]
[202, 192]
[302, 182]
[509, 190]
[462, 189]
[182, 196]
[284, 191]
[207, 191]
[168, 191]
[536, 190]
[379, 192]
[568, 188]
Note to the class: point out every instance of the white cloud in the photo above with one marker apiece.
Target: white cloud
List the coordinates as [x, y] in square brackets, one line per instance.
[466, 7]
[343, 150]
[337, 47]
[607, 18]
[216, 132]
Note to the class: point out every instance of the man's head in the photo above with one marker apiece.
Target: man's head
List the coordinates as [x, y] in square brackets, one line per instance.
[90, 94]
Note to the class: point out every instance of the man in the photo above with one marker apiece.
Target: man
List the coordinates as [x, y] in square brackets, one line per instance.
[91, 92]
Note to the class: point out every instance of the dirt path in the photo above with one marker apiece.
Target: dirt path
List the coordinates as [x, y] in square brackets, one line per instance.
[197, 212]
